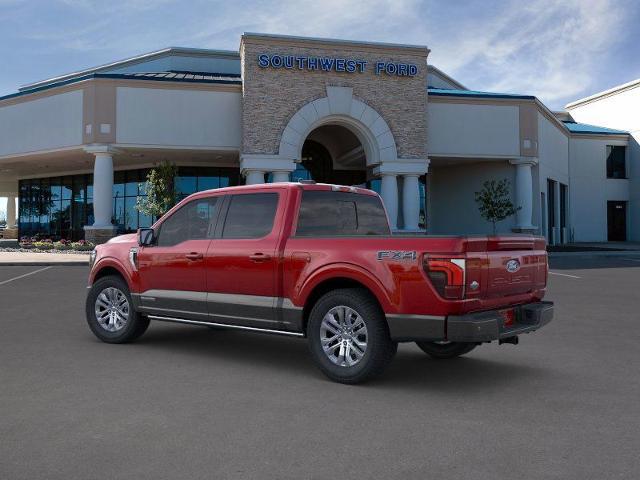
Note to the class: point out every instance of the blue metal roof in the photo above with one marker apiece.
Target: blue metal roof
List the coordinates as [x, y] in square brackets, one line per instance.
[444, 92]
[575, 127]
[188, 77]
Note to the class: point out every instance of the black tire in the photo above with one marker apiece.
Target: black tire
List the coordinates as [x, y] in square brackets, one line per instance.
[136, 324]
[380, 349]
[442, 351]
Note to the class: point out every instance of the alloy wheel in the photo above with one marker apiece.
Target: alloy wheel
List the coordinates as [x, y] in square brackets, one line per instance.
[343, 335]
[112, 309]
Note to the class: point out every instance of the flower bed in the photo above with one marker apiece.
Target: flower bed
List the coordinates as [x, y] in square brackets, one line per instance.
[36, 244]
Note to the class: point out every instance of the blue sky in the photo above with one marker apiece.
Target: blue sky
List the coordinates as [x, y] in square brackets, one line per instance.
[557, 50]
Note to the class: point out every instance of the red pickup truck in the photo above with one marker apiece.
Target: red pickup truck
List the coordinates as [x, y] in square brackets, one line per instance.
[317, 261]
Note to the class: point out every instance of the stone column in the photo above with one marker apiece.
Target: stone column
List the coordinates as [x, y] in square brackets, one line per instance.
[411, 202]
[280, 176]
[253, 177]
[524, 193]
[102, 228]
[389, 194]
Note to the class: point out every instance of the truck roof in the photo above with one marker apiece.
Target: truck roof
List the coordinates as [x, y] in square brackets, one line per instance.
[305, 185]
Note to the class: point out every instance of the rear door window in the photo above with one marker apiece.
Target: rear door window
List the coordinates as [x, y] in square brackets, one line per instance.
[328, 213]
[250, 215]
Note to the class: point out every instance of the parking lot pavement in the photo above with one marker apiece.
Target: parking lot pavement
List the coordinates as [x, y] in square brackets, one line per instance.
[191, 402]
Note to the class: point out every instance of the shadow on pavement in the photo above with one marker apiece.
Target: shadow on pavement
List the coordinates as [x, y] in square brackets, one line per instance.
[270, 353]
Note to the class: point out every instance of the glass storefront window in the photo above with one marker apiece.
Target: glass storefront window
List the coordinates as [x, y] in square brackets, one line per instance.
[59, 207]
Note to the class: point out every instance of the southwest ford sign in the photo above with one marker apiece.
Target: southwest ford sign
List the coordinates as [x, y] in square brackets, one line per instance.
[333, 64]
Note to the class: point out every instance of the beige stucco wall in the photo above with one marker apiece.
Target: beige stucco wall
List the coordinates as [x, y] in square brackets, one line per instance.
[460, 129]
[45, 123]
[619, 110]
[272, 96]
[178, 117]
[590, 189]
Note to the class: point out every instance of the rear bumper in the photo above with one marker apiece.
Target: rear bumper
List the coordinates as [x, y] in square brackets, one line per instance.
[473, 327]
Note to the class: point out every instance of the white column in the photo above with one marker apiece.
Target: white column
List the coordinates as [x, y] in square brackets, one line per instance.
[524, 192]
[254, 177]
[411, 202]
[389, 194]
[11, 212]
[103, 189]
[280, 176]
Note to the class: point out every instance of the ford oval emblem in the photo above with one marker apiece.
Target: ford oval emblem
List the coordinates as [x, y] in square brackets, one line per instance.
[513, 266]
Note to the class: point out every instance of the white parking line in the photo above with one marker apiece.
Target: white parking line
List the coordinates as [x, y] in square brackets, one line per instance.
[25, 275]
[564, 275]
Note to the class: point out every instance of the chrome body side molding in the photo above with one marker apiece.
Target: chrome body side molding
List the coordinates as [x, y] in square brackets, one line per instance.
[225, 325]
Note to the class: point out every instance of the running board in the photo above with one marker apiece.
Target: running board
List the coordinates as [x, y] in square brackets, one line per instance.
[225, 325]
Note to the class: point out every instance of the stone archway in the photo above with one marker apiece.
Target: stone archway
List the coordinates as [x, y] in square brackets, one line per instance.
[339, 107]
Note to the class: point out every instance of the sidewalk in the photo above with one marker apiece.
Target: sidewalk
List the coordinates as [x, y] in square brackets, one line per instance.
[37, 259]
[605, 249]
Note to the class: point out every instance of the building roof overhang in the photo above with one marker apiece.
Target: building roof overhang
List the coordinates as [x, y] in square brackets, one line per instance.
[145, 57]
[175, 77]
[605, 93]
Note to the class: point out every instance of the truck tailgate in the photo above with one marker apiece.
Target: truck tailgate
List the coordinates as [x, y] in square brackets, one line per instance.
[507, 266]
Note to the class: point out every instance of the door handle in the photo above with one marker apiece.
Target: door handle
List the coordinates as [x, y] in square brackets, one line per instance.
[259, 257]
[194, 256]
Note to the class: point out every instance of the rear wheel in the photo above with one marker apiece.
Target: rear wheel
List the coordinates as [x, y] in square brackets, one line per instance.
[348, 336]
[443, 350]
[110, 313]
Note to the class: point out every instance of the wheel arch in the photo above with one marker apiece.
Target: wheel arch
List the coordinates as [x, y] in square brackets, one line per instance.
[106, 268]
[333, 279]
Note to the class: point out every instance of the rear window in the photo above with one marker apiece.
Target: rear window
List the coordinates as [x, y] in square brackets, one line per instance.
[324, 213]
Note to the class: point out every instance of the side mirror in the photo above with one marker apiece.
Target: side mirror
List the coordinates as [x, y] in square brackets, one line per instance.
[146, 237]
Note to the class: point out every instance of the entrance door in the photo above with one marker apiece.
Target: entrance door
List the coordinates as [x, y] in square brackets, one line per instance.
[551, 210]
[617, 221]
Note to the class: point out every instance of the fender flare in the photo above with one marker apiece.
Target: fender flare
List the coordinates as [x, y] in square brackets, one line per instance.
[344, 270]
[111, 262]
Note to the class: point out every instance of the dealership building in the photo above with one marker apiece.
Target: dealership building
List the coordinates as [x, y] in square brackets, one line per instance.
[75, 149]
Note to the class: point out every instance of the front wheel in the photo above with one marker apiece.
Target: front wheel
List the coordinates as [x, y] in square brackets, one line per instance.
[110, 313]
[444, 350]
[348, 336]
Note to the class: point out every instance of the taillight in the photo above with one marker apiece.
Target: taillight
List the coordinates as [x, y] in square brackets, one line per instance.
[447, 275]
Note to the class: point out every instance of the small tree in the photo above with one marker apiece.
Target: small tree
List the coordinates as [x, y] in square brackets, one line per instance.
[161, 190]
[494, 202]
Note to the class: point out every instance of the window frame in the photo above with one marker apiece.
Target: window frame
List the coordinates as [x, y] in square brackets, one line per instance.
[625, 164]
[213, 221]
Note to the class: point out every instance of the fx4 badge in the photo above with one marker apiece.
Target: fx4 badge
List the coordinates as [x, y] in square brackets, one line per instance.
[396, 255]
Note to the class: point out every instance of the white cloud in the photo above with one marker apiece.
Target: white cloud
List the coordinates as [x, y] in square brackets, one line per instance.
[547, 48]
